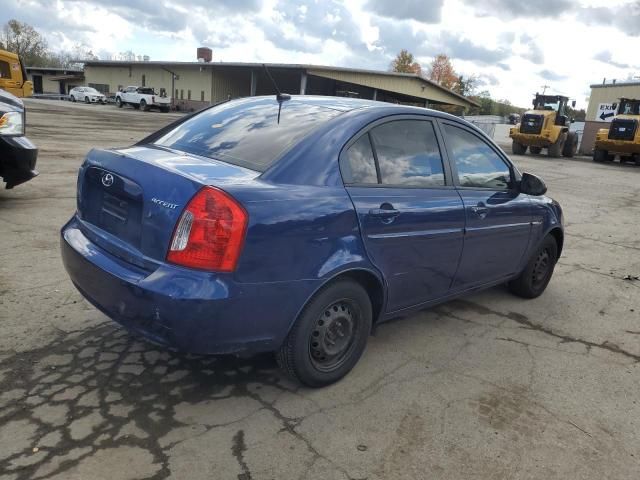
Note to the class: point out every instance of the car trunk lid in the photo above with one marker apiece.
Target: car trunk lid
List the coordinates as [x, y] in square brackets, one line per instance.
[130, 200]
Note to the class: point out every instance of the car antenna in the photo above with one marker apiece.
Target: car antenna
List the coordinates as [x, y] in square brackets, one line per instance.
[280, 97]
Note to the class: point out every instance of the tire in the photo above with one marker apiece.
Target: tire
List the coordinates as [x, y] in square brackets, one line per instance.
[73, 99]
[600, 155]
[571, 145]
[518, 148]
[119, 102]
[164, 109]
[143, 105]
[339, 314]
[535, 150]
[636, 159]
[536, 275]
[555, 150]
[86, 100]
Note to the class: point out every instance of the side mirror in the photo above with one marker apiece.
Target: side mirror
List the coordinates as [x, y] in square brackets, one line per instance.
[532, 185]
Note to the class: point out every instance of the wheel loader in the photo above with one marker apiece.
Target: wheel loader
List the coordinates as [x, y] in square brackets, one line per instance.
[13, 76]
[546, 126]
[623, 135]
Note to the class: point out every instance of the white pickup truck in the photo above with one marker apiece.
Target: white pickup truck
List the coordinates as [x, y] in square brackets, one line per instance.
[142, 97]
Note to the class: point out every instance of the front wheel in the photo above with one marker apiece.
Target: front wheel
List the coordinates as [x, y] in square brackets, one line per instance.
[119, 102]
[86, 100]
[143, 105]
[329, 336]
[518, 148]
[536, 275]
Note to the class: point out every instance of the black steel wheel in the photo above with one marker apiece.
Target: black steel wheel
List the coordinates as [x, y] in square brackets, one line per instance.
[537, 273]
[329, 336]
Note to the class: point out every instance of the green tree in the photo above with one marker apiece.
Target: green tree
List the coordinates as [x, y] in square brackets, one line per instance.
[405, 63]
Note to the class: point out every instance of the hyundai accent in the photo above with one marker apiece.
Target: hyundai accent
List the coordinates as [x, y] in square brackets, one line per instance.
[295, 224]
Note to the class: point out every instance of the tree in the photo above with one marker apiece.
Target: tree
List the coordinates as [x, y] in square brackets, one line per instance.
[405, 63]
[466, 86]
[26, 41]
[441, 71]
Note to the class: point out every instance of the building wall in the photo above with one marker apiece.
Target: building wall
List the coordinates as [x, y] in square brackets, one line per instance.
[589, 135]
[610, 93]
[196, 86]
[48, 85]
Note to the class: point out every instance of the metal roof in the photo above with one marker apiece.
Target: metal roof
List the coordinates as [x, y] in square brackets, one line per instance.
[617, 84]
[300, 66]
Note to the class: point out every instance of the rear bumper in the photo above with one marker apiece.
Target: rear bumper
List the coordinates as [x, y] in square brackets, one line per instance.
[17, 160]
[617, 146]
[192, 311]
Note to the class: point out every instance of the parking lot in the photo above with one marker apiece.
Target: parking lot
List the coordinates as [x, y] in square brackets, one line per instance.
[489, 386]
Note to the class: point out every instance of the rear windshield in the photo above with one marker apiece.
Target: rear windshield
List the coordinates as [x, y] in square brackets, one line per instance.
[247, 133]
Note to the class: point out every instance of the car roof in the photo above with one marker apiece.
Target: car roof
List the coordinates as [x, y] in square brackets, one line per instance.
[346, 104]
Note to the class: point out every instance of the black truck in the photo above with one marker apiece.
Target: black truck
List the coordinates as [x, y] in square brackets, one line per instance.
[17, 154]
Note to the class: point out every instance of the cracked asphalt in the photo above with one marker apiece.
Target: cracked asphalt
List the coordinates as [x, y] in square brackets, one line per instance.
[489, 386]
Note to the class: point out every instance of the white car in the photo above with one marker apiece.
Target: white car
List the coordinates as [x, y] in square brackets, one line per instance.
[143, 98]
[86, 95]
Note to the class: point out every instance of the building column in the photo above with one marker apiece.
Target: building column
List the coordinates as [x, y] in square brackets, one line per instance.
[375, 94]
[303, 83]
[254, 83]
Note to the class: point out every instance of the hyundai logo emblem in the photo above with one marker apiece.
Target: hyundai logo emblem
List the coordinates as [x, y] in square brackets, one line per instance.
[107, 179]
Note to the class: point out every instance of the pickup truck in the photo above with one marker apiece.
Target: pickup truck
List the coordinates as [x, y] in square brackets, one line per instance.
[142, 97]
[17, 154]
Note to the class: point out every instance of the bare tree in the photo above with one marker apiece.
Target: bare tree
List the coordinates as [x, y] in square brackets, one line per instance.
[26, 41]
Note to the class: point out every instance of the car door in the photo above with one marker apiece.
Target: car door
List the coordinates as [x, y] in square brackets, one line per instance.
[498, 217]
[411, 216]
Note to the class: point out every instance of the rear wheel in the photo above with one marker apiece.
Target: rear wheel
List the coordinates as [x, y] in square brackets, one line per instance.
[571, 145]
[164, 109]
[555, 150]
[536, 275]
[73, 99]
[535, 150]
[143, 105]
[518, 148]
[119, 102]
[330, 335]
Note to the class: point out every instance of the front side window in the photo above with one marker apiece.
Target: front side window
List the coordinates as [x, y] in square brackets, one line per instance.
[359, 165]
[478, 165]
[408, 153]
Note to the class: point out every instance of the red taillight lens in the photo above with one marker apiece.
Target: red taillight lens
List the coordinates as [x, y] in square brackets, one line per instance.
[210, 232]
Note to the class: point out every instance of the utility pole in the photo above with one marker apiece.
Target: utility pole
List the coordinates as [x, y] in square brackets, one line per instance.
[544, 88]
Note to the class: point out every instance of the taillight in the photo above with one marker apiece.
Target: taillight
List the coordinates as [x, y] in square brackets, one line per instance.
[210, 232]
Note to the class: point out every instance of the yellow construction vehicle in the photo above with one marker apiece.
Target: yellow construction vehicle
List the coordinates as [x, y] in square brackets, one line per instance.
[13, 76]
[546, 126]
[623, 135]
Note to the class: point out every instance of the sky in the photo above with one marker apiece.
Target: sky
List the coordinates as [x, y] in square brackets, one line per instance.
[513, 47]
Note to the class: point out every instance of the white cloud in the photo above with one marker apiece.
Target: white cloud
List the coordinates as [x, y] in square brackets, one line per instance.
[507, 46]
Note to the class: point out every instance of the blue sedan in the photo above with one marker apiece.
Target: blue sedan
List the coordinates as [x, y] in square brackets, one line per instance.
[293, 225]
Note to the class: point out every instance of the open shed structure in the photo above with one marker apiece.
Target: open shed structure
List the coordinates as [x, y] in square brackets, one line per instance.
[194, 85]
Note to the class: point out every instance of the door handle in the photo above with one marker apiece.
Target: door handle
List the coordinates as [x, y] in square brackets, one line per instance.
[384, 212]
[481, 210]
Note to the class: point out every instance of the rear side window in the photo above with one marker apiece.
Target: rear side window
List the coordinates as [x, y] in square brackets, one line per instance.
[408, 153]
[251, 135]
[359, 163]
[478, 165]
